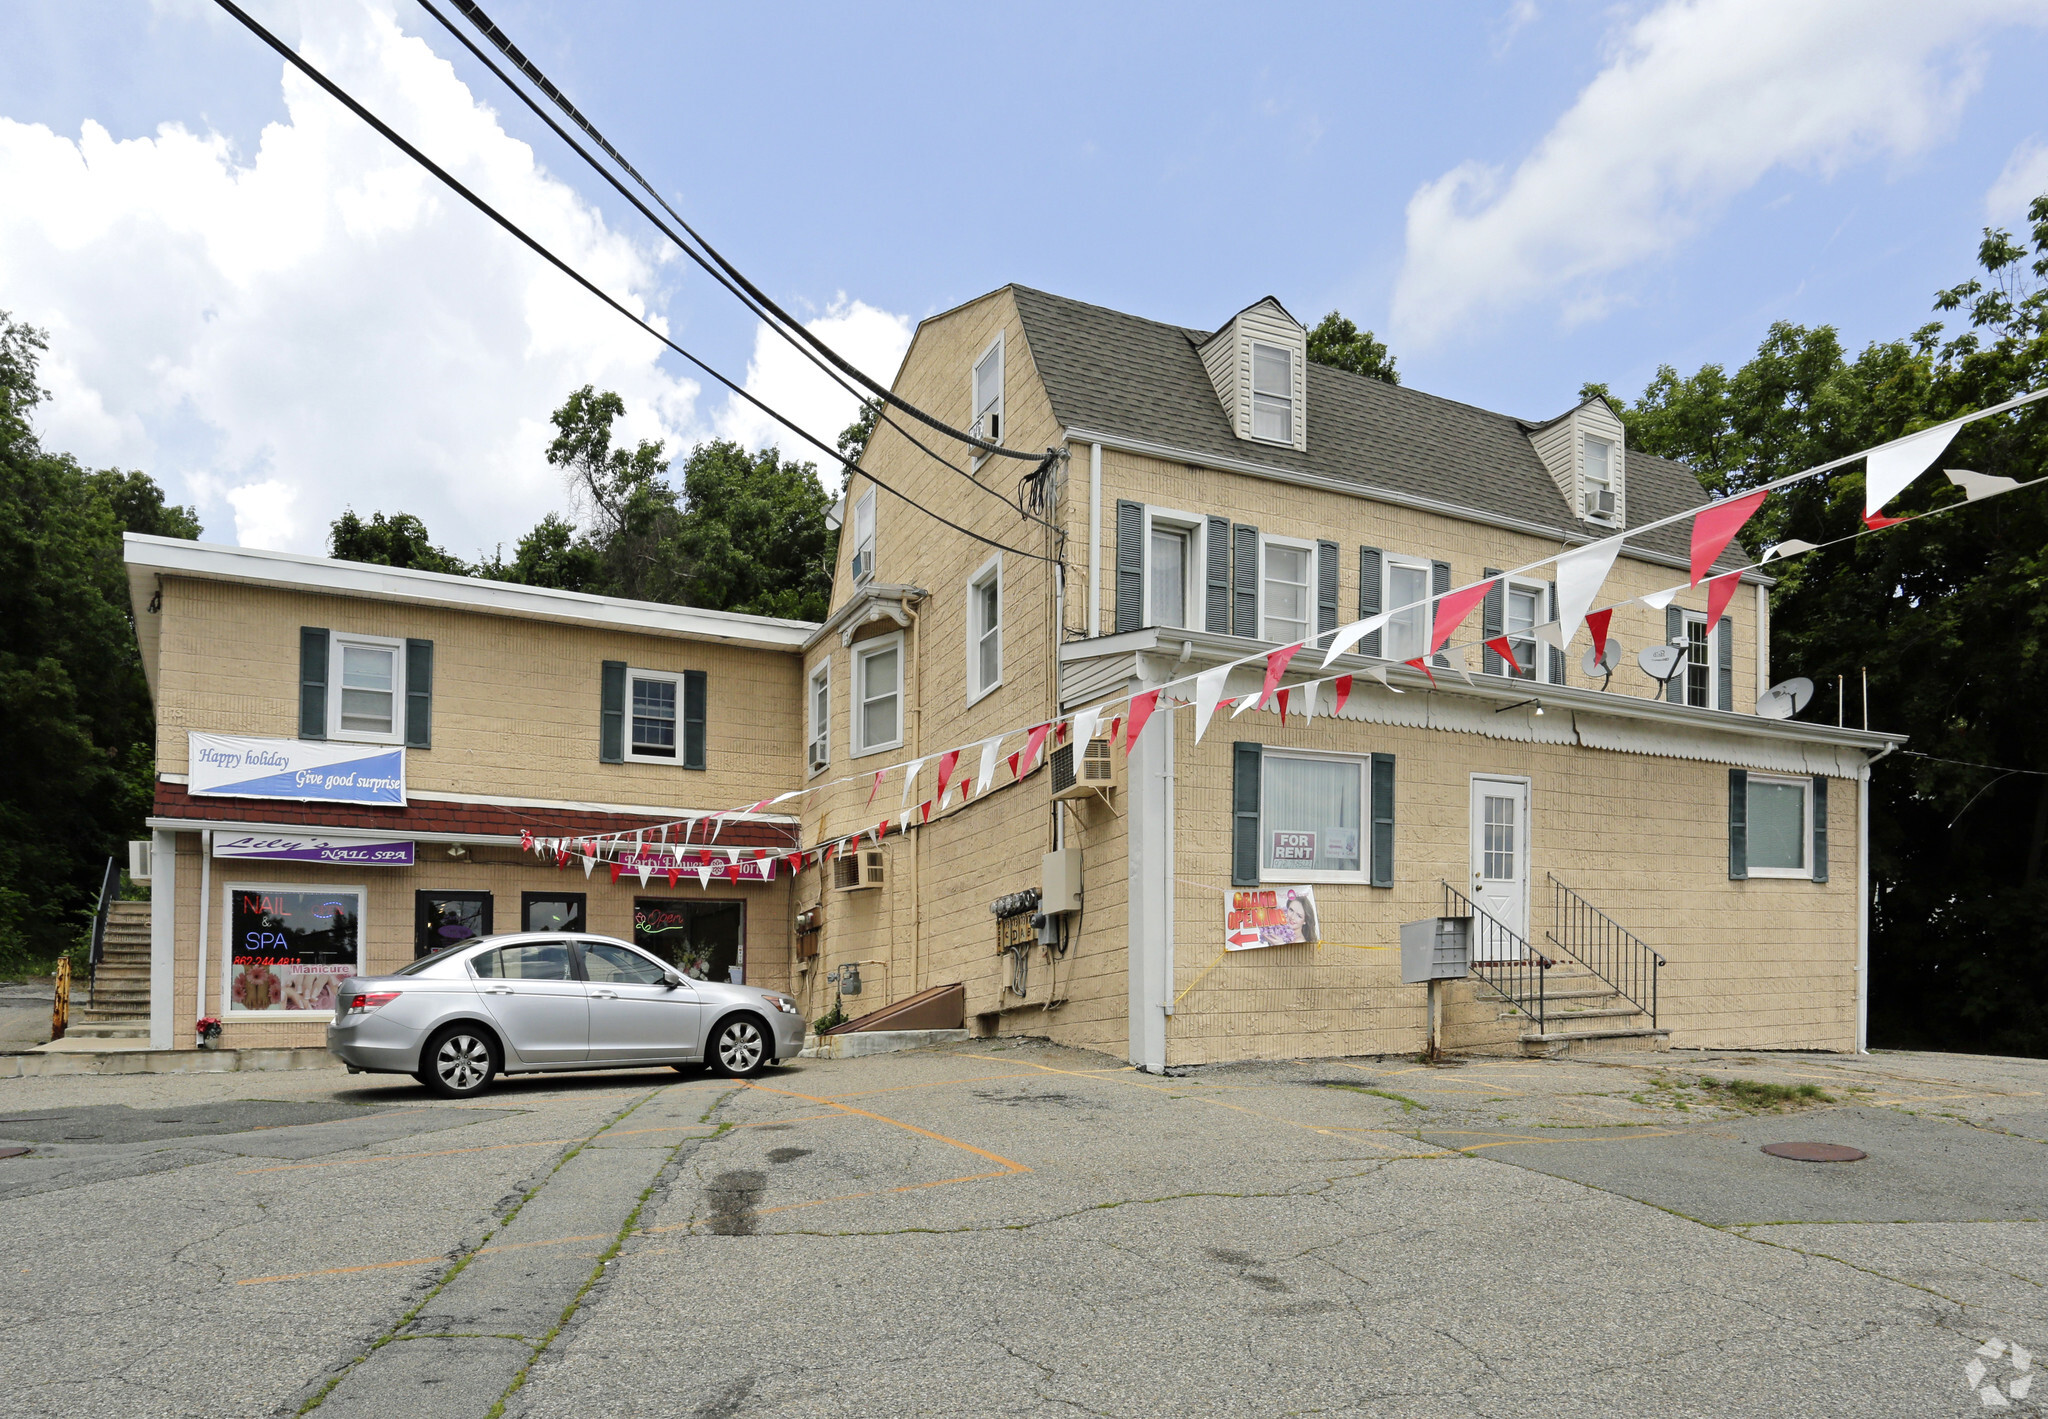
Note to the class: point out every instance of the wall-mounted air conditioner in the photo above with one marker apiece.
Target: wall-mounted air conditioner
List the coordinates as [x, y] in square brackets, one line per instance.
[1600, 502]
[139, 853]
[859, 871]
[863, 564]
[1093, 773]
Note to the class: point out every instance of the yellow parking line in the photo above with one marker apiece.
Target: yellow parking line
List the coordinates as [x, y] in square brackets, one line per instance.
[393, 1157]
[1014, 1167]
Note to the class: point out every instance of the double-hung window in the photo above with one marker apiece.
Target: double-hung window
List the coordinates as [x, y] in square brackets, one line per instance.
[864, 536]
[821, 716]
[1407, 599]
[1600, 500]
[878, 695]
[1272, 393]
[988, 393]
[1524, 612]
[1312, 817]
[1780, 830]
[654, 716]
[369, 673]
[1287, 579]
[1699, 662]
[985, 629]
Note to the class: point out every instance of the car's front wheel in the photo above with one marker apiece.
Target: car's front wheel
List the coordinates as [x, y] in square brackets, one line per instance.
[739, 1049]
[458, 1062]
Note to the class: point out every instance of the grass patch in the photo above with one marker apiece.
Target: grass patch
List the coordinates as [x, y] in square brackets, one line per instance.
[1407, 1104]
[1756, 1096]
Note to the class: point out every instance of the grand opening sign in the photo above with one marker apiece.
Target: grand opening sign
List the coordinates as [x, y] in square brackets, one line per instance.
[303, 770]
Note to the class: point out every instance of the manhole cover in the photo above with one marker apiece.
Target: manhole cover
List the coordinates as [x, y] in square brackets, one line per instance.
[12, 1152]
[1815, 1152]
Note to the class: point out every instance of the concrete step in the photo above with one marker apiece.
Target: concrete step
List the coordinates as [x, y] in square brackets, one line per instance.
[1612, 1012]
[1554, 1043]
[108, 1030]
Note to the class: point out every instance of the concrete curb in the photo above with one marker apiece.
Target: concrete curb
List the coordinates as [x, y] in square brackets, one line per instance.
[860, 1042]
[164, 1061]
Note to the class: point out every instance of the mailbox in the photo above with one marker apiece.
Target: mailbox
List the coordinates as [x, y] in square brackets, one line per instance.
[1436, 948]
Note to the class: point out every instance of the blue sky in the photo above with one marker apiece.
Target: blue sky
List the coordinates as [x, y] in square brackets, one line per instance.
[264, 309]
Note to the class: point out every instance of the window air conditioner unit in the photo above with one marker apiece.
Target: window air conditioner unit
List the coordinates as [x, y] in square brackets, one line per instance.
[863, 564]
[1093, 774]
[859, 871]
[1599, 502]
[819, 757]
[987, 426]
[139, 853]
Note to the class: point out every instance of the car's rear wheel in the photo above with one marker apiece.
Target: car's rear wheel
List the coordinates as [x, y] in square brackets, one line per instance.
[458, 1062]
[739, 1049]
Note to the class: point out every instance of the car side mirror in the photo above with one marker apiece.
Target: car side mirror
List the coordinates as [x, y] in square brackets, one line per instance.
[671, 979]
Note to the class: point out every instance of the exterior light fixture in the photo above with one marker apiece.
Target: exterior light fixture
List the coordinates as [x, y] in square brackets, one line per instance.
[1519, 703]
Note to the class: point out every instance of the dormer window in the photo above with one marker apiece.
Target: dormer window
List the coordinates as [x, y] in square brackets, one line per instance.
[1598, 480]
[1272, 393]
[988, 393]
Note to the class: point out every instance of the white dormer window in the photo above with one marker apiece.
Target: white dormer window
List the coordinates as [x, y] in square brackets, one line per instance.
[988, 393]
[864, 536]
[1272, 393]
[1600, 503]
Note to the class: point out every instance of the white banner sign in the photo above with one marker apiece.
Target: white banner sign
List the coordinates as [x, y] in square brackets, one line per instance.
[304, 770]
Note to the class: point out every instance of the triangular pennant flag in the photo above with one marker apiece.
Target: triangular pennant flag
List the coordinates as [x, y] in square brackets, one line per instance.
[1379, 673]
[1551, 633]
[879, 830]
[1454, 658]
[615, 870]
[1243, 703]
[987, 776]
[1087, 723]
[1889, 468]
[1033, 744]
[1013, 764]
[1580, 575]
[1715, 525]
[1208, 690]
[1790, 547]
[717, 825]
[1420, 664]
[1114, 725]
[704, 877]
[924, 811]
[1979, 485]
[785, 797]
[672, 874]
[1505, 649]
[588, 863]
[1597, 623]
[1658, 600]
[1720, 591]
[1343, 683]
[1453, 607]
[1357, 631]
[1276, 666]
[1281, 697]
[1877, 521]
[910, 781]
[875, 787]
[526, 840]
[644, 869]
[948, 761]
[1308, 702]
[1141, 711]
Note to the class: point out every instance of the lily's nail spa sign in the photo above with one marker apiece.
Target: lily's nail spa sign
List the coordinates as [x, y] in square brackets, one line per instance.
[306, 771]
[348, 852]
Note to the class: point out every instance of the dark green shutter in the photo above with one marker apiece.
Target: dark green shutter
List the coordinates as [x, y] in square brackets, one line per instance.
[312, 682]
[1820, 828]
[1216, 573]
[1493, 620]
[1326, 587]
[1369, 595]
[1439, 585]
[1244, 581]
[1130, 565]
[611, 720]
[1738, 825]
[1556, 676]
[1674, 629]
[693, 719]
[419, 694]
[1244, 816]
[1383, 820]
[1726, 674]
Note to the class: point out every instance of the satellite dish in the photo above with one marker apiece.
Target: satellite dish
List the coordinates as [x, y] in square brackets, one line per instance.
[1604, 664]
[1785, 699]
[1661, 662]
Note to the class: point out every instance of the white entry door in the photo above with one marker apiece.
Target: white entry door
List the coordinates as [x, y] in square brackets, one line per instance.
[1500, 858]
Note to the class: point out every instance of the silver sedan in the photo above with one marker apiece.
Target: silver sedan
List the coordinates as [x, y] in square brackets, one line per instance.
[547, 1001]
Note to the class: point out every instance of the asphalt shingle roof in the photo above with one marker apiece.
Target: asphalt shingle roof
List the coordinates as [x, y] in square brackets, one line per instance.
[1144, 379]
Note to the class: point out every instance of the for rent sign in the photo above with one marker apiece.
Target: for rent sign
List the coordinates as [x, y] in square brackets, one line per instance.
[307, 771]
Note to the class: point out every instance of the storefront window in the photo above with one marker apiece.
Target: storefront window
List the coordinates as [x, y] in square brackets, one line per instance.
[444, 919]
[289, 947]
[551, 911]
[1311, 815]
[704, 940]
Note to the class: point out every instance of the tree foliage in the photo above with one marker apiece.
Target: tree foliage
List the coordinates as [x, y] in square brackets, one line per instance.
[76, 732]
[1949, 616]
[399, 540]
[1336, 341]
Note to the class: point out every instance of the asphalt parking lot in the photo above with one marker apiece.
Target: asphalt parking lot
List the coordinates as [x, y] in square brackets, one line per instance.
[1012, 1228]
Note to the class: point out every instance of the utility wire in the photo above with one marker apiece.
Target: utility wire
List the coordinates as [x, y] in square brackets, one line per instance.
[1967, 764]
[476, 16]
[343, 97]
[691, 252]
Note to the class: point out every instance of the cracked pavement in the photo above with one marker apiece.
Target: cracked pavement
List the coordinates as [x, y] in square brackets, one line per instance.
[1012, 1228]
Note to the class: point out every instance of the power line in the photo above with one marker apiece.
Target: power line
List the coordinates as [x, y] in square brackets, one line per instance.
[476, 16]
[690, 251]
[343, 97]
[1967, 764]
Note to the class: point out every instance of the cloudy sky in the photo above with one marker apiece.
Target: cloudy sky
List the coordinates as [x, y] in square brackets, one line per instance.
[252, 297]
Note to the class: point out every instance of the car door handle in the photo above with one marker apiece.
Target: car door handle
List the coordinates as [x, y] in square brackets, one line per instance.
[604, 995]
[497, 990]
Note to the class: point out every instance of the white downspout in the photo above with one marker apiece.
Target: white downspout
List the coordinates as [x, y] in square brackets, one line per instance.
[1763, 641]
[1863, 900]
[163, 936]
[1094, 540]
[205, 891]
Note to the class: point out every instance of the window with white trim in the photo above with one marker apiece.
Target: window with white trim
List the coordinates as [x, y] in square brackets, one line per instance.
[1287, 579]
[985, 629]
[878, 695]
[1407, 633]
[988, 393]
[654, 720]
[1312, 817]
[821, 716]
[1272, 393]
[1524, 610]
[1600, 498]
[1780, 826]
[1174, 544]
[1699, 661]
[369, 674]
[864, 536]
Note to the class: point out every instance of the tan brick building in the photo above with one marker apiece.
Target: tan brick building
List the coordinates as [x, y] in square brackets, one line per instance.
[1640, 861]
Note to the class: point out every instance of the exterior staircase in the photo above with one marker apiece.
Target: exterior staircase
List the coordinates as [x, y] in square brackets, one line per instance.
[117, 1008]
[1578, 1009]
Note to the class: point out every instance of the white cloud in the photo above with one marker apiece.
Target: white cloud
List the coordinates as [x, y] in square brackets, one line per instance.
[322, 324]
[1698, 100]
[872, 340]
[2025, 178]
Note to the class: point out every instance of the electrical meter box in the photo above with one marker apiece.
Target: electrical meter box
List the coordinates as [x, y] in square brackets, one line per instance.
[1060, 882]
[1436, 948]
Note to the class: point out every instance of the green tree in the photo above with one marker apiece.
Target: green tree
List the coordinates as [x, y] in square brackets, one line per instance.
[76, 732]
[753, 534]
[399, 540]
[1336, 341]
[553, 555]
[1949, 616]
[633, 512]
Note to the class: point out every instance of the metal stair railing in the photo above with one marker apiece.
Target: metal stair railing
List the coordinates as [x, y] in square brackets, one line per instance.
[1501, 959]
[1605, 947]
[110, 892]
